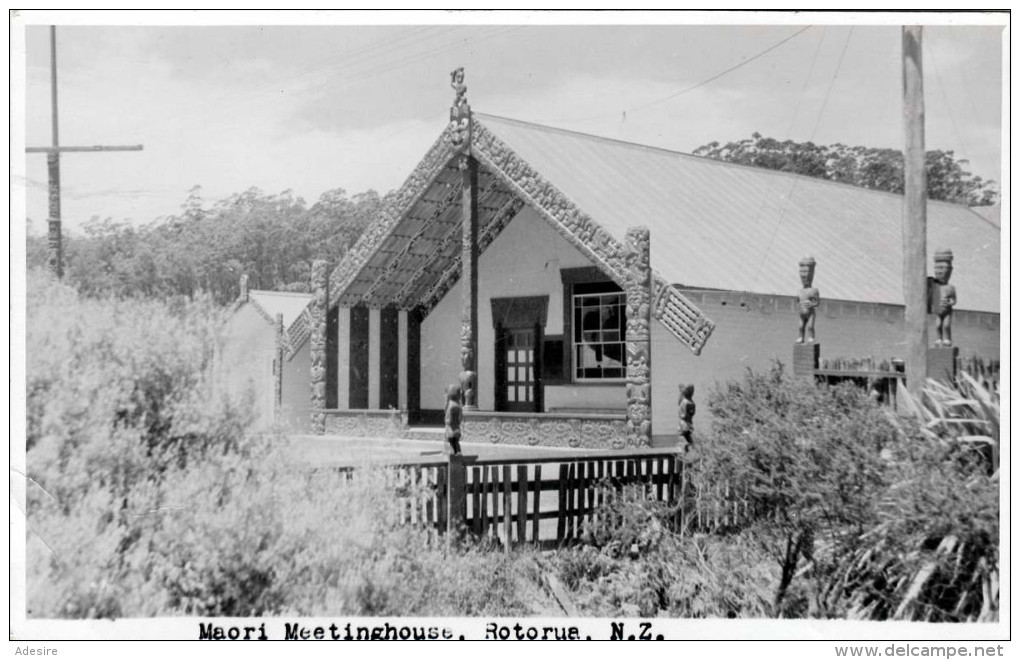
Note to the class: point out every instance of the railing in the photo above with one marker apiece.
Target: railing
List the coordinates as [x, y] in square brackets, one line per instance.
[550, 500]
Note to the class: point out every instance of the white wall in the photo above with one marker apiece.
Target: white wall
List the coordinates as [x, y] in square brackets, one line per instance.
[297, 390]
[524, 260]
[246, 351]
[752, 330]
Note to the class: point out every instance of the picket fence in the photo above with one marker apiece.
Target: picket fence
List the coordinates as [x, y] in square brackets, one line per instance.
[550, 500]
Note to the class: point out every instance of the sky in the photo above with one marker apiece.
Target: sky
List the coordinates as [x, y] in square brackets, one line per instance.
[313, 108]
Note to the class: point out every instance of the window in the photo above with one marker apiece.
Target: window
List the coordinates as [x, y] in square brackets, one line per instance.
[599, 335]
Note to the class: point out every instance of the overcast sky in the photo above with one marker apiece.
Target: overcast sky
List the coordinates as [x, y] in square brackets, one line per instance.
[315, 108]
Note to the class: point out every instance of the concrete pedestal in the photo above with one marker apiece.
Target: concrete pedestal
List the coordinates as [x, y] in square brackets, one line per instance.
[805, 358]
[942, 363]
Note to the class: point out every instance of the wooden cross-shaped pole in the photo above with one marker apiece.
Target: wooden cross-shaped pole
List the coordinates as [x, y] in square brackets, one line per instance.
[53, 165]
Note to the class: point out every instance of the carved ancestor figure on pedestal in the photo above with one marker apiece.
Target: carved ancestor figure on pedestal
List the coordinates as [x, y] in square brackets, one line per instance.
[467, 378]
[687, 410]
[943, 298]
[808, 300]
[452, 417]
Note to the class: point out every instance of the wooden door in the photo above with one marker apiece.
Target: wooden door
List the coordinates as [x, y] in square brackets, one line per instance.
[517, 381]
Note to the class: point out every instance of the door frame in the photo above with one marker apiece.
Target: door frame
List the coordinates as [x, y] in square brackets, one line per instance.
[518, 313]
[538, 398]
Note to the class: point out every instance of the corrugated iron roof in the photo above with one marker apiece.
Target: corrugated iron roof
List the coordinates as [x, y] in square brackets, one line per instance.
[290, 304]
[724, 226]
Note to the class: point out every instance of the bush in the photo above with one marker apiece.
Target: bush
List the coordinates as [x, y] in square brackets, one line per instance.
[808, 460]
[932, 554]
[150, 494]
[631, 563]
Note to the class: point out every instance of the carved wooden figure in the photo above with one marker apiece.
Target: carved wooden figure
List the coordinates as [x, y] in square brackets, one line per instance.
[467, 379]
[943, 298]
[452, 417]
[686, 411]
[460, 111]
[808, 300]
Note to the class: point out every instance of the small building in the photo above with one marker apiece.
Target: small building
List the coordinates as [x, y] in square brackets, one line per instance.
[571, 283]
[251, 355]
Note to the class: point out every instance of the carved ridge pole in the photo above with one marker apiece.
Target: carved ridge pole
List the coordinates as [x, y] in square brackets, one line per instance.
[460, 138]
[317, 343]
[639, 338]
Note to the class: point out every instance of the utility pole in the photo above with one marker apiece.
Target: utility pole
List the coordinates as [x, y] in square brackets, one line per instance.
[915, 231]
[53, 165]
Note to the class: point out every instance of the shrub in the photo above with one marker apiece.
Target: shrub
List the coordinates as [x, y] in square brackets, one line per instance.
[932, 554]
[631, 563]
[151, 495]
[808, 459]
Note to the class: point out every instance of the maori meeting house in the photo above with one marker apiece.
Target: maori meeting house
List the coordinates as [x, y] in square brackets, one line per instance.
[572, 283]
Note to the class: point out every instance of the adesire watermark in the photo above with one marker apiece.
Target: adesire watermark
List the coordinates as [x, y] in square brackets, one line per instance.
[919, 651]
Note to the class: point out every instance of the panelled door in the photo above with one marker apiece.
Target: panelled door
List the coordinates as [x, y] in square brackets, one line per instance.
[518, 385]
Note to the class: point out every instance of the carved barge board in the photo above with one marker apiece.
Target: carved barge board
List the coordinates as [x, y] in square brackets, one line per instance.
[437, 157]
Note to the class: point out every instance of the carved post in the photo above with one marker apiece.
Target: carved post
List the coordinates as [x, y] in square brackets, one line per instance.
[459, 134]
[469, 281]
[639, 338]
[243, 284]
[278, 371]
[54, 234]
[456, 491]
[317, 343]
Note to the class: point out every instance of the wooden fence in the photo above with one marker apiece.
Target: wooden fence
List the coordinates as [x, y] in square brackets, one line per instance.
[551, 499]
[985, 372]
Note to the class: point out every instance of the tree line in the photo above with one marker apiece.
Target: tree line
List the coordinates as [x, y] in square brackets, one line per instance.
[867, 167]
[273, 238]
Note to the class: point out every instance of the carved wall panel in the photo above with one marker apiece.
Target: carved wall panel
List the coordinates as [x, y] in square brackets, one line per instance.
[317, 342]
[588, 432]
[366, 423]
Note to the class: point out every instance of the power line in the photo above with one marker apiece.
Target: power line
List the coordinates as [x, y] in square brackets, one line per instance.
[704, 82]
[832, 83]
[811, 138]
[945, 98]
[789, 128]
[807, 81]
[310, 75]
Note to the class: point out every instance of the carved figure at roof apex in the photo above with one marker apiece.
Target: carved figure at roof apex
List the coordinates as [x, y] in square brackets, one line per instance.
[807, 301]
[460, 112]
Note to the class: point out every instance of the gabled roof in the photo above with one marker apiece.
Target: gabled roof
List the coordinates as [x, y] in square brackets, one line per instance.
[292, 305]
[723, 226]
[409, 256]
[271, 303]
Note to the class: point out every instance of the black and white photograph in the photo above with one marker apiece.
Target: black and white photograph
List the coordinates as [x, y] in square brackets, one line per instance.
[511, 325]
